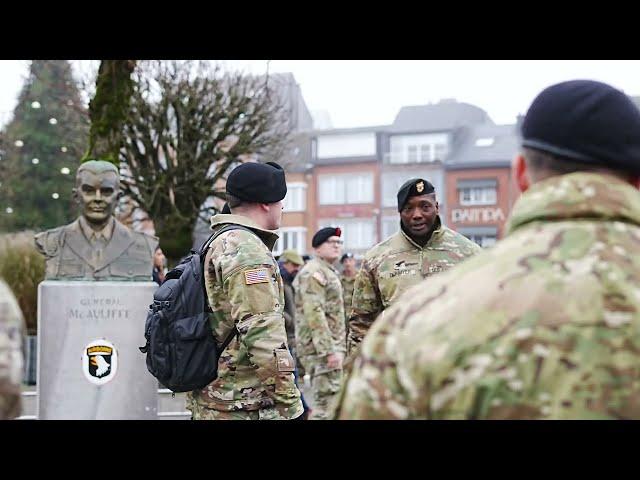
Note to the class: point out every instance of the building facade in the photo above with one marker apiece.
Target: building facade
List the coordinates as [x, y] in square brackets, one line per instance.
[349, 177]
[480, 190]
[346, 171]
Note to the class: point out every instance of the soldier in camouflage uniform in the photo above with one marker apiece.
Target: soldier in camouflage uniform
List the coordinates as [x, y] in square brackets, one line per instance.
[290, 263]
[320, 331]
[546, 324]
[348, 280]
[422, 247]
[245, 291]
[11, 356]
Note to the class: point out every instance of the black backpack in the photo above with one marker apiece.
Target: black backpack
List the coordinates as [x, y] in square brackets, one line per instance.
[181, 350]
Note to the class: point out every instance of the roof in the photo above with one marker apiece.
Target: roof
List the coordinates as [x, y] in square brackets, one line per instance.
[442, 116]
[484, 146]
[347, 131]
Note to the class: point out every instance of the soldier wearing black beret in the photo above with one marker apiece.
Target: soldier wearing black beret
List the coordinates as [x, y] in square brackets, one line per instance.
[257, 183]
[324, 234]
[555, 303]
[320, 329]
[245, 290]
[587, 123]
[421, 248]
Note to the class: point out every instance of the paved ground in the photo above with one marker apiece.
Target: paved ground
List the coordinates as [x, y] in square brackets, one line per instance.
[169, 407]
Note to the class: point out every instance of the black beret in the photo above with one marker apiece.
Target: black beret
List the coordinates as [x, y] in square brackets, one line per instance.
[323, 235]
[345, 256]
[257, 182]
[586, 121]
[225, 209]
[413, 188]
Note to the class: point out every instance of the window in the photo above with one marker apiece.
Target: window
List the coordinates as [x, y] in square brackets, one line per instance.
[346, 188]
[291, 238]
[296, 199]
[390, 225]
[418, 148]
[358, 233]
[412, 152]
[347, 145]
[331, 190]
[425, 153]
[484, 241]
[483, 236]
[485, 142]
[478, 196]
[439, 151]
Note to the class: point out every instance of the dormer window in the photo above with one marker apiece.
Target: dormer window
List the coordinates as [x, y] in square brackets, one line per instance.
[485, 142]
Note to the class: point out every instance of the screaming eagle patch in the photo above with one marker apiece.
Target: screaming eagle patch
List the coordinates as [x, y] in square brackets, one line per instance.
[99, 362]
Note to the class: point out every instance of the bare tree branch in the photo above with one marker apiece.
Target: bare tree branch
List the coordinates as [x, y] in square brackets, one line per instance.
[188, 124]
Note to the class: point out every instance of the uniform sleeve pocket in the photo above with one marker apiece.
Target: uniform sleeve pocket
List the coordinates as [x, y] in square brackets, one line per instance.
[284, 360]
[285, 367]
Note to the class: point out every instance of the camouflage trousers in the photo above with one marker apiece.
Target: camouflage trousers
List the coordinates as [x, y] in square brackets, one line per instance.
[202, 413]
[199, 412]
[325, 385]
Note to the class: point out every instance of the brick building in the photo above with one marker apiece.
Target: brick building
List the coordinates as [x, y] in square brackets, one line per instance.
[480, 191]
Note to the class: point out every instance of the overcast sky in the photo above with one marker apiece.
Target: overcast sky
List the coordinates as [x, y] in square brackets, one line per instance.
[370, 92]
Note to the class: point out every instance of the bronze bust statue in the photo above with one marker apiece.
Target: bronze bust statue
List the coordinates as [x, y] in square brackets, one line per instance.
[97, 246]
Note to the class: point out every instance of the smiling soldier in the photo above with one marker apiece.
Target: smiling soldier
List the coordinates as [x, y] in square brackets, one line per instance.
[421, 248]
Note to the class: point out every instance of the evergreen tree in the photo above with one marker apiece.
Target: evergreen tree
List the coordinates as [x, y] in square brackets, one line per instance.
[41, 149]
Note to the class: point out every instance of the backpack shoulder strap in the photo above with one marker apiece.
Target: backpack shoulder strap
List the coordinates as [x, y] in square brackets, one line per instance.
[203, 252]
[214, 235]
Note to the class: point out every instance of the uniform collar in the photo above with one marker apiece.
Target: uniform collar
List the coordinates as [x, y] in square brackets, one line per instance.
[435, 236]
[327, 264]
[574, 196]
[92, 235]
[269, 237]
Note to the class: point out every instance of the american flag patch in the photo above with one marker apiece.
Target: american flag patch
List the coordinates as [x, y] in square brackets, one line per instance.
[257, 275]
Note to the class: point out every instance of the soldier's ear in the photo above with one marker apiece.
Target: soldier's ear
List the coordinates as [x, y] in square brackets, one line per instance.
[521, 173]
[74, 195]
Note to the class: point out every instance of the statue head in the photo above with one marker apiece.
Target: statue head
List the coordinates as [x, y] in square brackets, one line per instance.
[97, 190]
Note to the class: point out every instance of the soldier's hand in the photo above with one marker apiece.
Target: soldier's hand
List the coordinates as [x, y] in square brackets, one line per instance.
[334, 360]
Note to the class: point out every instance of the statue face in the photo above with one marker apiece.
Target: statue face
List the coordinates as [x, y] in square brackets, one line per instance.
[97, 194]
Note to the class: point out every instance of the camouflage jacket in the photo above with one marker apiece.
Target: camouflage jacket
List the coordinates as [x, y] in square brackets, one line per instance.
[396, 264]
[546, 324]
[245, 291]
[347, 293]
[289, 315]
[319, 319]
[11, 356]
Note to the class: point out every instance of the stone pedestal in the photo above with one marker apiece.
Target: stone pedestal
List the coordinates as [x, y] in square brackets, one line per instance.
[89, 365]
